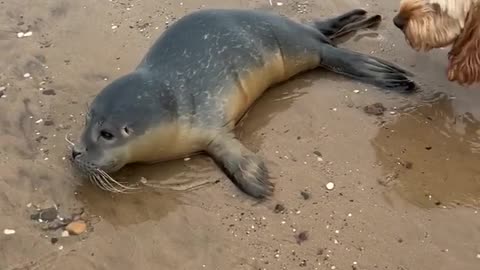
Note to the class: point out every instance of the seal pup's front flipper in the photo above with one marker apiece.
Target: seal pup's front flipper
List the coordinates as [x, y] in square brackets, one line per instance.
[366, 68]
[246, 170]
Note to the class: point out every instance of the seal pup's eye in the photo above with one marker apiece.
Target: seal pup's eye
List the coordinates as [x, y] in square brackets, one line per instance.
[106, 135]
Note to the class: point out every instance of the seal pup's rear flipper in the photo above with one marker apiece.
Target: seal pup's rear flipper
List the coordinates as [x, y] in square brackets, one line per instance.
[246, 170]
[366, 68]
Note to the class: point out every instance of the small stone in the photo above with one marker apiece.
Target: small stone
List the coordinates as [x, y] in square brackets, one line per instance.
[375, 109]
[114, 27]
[408, 164]
[76, 227]
[8, 231]
[186, 159]
[279, 208]
[302, 237]
[20, 34]
[48, 214]
[65, 234]
[26, 75]
[330, 185]
[28, 34]
[305, 195]
[39, 121]
[48, 123]
[49, 92]
[54, 240]
[3, 88]
[356, 91]
[478, 256]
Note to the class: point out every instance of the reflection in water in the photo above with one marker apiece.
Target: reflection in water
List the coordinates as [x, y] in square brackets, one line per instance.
[275, 100]
[434, 154]
[146, 204]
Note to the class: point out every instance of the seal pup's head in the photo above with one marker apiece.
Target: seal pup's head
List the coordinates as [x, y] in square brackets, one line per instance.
[430, 24]
[117, 118]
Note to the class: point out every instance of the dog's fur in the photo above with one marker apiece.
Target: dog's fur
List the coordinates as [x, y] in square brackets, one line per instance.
[433, 24]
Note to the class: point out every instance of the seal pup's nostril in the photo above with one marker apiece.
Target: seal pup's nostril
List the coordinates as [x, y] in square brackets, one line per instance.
[75, 153]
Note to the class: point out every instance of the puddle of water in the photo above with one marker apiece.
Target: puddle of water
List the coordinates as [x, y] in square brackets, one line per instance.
[431, 153]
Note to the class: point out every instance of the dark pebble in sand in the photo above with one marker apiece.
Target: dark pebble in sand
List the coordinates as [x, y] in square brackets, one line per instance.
[408, 164]
[428, 148]
[55, 225]
[302, 237]
[48, 123]
[48, 214]
[318, 153]
[49, 92]
[279, 208]
[303, 263]
[375, 109]
[41, 138]
[54, 240]
[305, 195]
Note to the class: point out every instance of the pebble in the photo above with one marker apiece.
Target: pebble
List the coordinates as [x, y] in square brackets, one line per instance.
[114, 27]
[356, 91]
[65, 234]
[330, 185]
[26, 75]
[26, 34]
[478, 256]
[76, 227]
[48, 214]
[8, 231]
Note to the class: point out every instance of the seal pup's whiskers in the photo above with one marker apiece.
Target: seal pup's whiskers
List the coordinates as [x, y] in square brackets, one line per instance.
[70, 143]
[178, 186]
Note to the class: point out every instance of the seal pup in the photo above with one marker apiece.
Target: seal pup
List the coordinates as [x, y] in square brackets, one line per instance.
[201, 76]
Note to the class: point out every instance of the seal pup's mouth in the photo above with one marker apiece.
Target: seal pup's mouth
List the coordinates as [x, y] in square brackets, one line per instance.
[97, 176]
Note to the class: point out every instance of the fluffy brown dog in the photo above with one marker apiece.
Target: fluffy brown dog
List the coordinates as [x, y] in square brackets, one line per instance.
[429, 24]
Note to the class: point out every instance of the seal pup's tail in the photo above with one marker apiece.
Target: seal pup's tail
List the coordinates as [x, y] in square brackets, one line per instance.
[366, 68]
[246, 170]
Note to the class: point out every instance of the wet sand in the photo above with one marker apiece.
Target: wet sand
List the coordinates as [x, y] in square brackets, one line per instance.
[406, 190]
